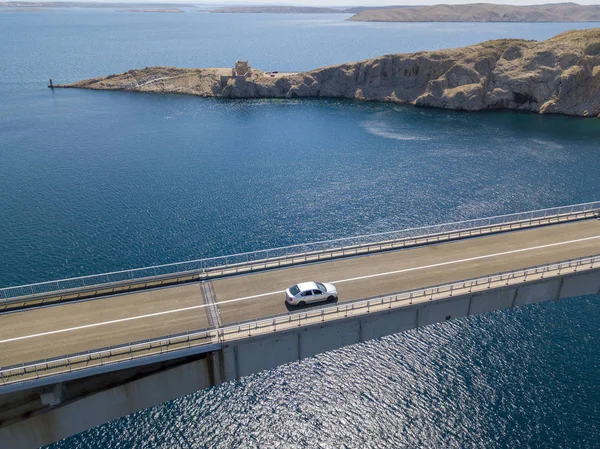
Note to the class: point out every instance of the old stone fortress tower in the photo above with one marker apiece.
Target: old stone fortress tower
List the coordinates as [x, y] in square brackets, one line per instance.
[242, 70]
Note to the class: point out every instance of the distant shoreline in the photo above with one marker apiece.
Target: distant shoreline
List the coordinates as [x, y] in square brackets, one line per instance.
[166, 10]
[278, 10]
[475, 12]
[441, 13]
[25, 6]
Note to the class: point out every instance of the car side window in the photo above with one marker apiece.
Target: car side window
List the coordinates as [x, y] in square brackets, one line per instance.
[317, 292]
[307, 293]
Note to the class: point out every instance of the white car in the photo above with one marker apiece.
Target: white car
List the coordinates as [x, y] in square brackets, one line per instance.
[306, 292]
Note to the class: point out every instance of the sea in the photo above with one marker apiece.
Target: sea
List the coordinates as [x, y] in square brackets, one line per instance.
[94, 182]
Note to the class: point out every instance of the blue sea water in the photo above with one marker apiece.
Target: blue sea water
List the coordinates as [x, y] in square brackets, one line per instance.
[100, 181]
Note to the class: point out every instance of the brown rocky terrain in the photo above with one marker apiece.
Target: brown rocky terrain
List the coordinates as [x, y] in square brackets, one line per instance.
[560, 75]
[484, 12]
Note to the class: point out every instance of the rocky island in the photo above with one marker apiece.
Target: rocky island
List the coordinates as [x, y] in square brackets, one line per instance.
[560, 75]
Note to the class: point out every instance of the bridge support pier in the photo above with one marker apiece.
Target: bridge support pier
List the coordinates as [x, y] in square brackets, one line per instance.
[60, 413]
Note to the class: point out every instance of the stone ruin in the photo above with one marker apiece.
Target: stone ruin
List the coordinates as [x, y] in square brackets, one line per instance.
[239, 73]
[242, 69]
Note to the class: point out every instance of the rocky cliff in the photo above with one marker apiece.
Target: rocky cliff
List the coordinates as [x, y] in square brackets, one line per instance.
[560, 75]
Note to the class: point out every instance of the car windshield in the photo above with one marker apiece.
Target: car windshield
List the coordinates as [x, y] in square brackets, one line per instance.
[294, 290]
[321, 287]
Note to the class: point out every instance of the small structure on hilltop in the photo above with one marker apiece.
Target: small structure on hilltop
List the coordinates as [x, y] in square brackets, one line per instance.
[242, 70]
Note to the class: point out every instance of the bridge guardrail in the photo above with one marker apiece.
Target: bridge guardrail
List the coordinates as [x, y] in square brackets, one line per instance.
[130, 351]
[277, 257]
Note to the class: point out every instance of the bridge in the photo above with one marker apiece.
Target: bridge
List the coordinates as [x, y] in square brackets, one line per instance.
[79, 352]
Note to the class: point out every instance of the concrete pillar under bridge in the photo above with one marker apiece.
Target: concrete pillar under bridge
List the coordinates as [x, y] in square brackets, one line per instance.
[42, 414]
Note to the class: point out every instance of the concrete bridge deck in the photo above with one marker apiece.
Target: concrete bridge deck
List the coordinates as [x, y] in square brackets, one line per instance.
[58, 330]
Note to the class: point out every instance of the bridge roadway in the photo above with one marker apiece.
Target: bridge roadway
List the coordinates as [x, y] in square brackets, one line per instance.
[59, 330]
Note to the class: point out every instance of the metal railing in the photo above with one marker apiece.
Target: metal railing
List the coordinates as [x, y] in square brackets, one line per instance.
[205, 337]
[288, 255]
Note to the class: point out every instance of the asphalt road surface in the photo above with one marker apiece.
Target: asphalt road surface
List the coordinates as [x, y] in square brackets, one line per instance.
[59, 330]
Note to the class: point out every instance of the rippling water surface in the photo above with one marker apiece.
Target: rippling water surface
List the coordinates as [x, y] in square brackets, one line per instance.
[99, 181]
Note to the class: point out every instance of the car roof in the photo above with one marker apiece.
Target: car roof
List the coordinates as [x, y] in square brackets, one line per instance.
[303, 286]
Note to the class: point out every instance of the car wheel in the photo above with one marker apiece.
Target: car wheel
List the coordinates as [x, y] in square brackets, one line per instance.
[301, 304]
[331, 299]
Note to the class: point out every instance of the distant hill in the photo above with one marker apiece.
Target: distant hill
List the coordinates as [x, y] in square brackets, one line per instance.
[484, 12]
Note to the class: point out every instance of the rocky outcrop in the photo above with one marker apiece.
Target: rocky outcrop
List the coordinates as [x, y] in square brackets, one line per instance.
[560, 75]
